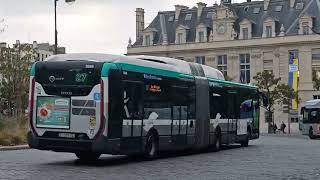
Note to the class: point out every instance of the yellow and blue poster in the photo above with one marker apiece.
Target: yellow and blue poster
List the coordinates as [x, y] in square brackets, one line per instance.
[53, 112]
[293, 79]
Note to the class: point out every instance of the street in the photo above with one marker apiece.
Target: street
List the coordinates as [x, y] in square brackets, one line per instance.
[270, 157]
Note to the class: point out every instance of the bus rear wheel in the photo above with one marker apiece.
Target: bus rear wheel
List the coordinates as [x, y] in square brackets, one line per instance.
[217, 142]
[245, 143]
[152, 147]
[311, 136]
[88, 156]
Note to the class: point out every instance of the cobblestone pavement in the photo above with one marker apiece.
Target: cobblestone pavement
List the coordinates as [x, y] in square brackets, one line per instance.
[270, 157]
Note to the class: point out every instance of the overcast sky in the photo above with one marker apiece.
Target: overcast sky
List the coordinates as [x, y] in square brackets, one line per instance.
[102, 26]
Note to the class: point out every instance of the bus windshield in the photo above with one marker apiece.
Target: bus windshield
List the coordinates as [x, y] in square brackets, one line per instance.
[311, 115]
[68, 77]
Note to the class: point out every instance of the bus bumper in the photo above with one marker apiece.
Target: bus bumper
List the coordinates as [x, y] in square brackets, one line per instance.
[102, 145]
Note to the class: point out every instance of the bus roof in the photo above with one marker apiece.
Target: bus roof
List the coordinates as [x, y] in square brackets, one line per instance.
[164, 63]
[315, 103]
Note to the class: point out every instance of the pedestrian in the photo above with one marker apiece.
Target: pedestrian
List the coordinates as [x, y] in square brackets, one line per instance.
[282, 128]
[275, 128]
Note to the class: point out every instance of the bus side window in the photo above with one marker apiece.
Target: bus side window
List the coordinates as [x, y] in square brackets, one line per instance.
[133, 100]
[217, 103]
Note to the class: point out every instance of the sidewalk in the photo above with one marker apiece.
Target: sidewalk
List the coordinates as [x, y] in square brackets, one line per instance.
[10, 148]
[291, 135]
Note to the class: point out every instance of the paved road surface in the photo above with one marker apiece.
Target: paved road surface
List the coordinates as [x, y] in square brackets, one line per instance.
[270, 157]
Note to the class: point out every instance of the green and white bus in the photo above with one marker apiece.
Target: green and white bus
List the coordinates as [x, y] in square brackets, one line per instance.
[310, 118]
[93, 104]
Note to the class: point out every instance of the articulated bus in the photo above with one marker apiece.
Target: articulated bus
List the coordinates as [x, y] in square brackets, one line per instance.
[310, 120]
[93, 104]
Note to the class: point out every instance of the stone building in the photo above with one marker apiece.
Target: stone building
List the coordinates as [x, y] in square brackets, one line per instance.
[240, 39]
[42, 50]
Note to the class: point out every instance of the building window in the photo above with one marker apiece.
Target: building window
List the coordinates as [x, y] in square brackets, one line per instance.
[256, 10]
[147, 40]
[268, 65]
[268, 31]
[201, 59]
[245, 68]
[209, 15]
[201, 36]
[305, 28]
[180, 38]
[294, 54]
[245, 33]
[222, 64]
[188, 17]
[316, 96]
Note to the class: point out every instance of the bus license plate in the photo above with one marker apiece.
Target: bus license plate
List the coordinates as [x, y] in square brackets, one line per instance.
[67, 135]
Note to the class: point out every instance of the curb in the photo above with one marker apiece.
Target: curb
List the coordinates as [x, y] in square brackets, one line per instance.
[295, 135]
[11, 148]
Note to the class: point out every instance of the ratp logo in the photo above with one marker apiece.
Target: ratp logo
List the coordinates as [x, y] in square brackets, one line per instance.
[52, 79]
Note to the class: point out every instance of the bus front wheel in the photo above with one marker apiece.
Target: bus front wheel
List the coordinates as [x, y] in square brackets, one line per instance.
[311, 136]
[88, 156]
[152, 146]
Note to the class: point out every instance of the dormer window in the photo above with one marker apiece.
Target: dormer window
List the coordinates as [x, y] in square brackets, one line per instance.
[148, 36]
[202, 33]
[305, 27]
[246, 29]
[181, 34]
[171, 18]
[201, 36]
[269, 28]
[256, 10]
[209, 15]
[147, 40]
[188, 17]
[299, 6]
[268, 31]
[245, 33]
[180, 38]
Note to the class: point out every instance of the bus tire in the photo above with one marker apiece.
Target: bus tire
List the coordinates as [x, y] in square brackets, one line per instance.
[88, 156]
[311, 136]
[217, 141]
[245, 143]
[152, 146]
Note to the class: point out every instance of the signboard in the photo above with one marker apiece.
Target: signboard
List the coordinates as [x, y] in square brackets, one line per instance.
[293, 68]
[53, 112]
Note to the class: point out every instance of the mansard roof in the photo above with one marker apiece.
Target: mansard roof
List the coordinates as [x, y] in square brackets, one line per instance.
[287, 16]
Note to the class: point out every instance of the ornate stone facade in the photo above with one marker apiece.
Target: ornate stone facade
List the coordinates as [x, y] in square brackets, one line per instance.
[273, 36]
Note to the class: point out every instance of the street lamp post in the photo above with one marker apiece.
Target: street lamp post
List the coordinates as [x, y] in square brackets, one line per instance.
[55, 28]
[55, 24]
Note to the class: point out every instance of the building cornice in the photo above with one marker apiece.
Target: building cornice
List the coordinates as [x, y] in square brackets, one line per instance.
[249, 43]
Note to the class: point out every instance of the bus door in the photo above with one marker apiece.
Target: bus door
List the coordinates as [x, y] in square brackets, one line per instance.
[232, 101]
[132, 113]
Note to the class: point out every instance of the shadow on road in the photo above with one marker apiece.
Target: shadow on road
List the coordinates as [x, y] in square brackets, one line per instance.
[124, 160]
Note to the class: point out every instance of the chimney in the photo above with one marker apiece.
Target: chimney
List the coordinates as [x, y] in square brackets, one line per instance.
[292, 3]
[178, 11]
[248, 0]
[139, 22]
[266, 4]
[200, 8]
[34, 44]
[17, 42]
